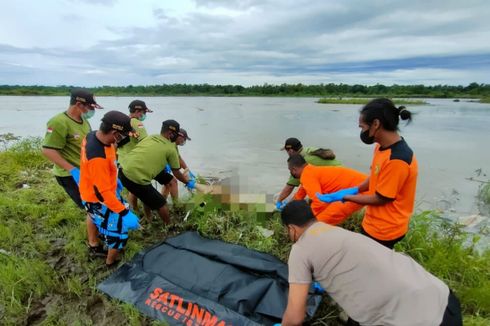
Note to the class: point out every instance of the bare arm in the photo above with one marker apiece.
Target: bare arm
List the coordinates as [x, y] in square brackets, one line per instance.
[285, 192]
[54, 156]
[296, 308]
[179, 176]
[375, 199]
[183, 165]
[364, 186]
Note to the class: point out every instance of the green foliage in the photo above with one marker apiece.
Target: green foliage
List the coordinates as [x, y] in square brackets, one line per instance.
[331, 89]
[332, 100]
[448, 252]
[22, 281]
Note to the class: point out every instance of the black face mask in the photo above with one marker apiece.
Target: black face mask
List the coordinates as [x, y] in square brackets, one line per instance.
[174, 136]
[366, 139]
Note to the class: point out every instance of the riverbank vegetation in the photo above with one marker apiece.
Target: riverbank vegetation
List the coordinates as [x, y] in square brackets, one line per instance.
[362, 101]
[47, 278]
[473, 90]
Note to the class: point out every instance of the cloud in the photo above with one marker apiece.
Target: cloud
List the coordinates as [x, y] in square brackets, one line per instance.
[253, 42]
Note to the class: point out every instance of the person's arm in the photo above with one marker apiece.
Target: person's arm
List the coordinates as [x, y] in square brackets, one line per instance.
[285, 192]
[183, 165]
[296, 308]
[364, 186]
[375, 199]
[391, 178]
[300, 194]
[180, 176]
[100, 171]
[54, 156]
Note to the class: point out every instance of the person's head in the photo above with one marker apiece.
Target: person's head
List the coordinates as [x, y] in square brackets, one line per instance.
[296, 217]
[115, 126]
[83, 102]
[292, 146]
[138, 110]
[182, 137]
[170, 130]
[296, 164]
[380, 114]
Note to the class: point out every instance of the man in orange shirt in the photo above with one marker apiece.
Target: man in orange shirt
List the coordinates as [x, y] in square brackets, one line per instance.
[99, 185]
[322, 179]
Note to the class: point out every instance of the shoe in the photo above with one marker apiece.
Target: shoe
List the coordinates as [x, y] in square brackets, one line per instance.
[114, 264]
[97, 252]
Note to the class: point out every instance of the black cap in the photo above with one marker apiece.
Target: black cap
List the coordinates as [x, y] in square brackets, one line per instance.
[292, 143]
[84, 96]
[118, 121]
[170, 125]
[138, 105]
[183, 133]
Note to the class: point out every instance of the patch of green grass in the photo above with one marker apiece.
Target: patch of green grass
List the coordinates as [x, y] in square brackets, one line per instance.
[485, 100]
[362, 101]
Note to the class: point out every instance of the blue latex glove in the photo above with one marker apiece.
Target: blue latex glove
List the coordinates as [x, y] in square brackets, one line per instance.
[130, 221]
[277, 324]
[168, 169]
[281, 204]
[338, 195]
[318, 288]
[191, 175]
[75, 173]
[119, 187]
[191, 184]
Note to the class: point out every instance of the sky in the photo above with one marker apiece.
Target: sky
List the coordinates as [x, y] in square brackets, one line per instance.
[249, 42]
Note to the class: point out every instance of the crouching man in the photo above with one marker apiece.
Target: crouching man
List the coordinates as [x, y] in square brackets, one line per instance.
[373, 284]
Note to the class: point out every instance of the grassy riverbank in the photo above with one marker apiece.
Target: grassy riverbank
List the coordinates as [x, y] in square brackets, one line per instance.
[362, 101]
[46, 277]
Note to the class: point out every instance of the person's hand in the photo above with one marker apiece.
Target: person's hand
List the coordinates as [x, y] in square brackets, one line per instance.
[281, 204]
[168, 169]
[75, 173]
[318, 288]
[130, 221]
[191, 184]
[338, 195]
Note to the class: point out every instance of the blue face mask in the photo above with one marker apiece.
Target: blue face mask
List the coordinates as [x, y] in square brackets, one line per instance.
[142, 118]
[89, 114]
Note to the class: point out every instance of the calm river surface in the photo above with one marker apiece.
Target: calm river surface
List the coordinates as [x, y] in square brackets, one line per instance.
[242, 135]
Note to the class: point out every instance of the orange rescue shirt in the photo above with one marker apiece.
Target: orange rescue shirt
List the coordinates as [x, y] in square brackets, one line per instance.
[327, 179]
[98, 173]
[393, 175]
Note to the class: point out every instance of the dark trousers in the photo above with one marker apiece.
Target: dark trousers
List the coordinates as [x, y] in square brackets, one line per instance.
[452, 314]
[71, 188]
[387, 243]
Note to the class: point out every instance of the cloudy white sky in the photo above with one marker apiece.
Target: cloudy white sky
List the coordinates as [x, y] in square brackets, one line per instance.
[248, 42]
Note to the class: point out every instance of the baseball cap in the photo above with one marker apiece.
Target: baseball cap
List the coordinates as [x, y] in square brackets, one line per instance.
[171, 125]
[292, 143]
[183, 133]
[84, 96]
[118, 121]
[138, 105]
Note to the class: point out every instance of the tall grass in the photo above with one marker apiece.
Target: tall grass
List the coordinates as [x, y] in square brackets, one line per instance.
[46, 275]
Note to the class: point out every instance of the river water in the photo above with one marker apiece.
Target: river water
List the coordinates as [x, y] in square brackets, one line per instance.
[242, 136]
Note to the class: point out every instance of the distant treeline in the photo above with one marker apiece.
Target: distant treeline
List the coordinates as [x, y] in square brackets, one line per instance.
[324, 90]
